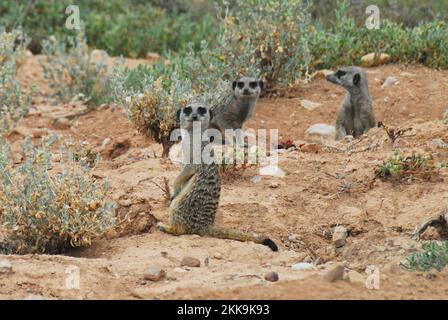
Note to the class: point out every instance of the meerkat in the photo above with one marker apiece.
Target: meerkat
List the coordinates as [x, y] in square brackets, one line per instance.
[197, 188]
[356, 114]
[233, 111]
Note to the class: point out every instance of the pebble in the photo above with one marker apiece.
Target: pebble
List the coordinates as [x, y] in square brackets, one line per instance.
[310, 105]
[274, 185]
[272, 171]
[355, 278]
[302, 266]
[335, 272]
[34, 297]
[271, 276]
[5, 267]
[154, 273]
[61, 123]
[217, 255]
[390, 81]
[321, 130]
[311, 148]
[180, 270]
[339, 236]
[190, 262]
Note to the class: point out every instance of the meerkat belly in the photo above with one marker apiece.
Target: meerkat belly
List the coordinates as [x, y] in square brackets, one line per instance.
[196, 212]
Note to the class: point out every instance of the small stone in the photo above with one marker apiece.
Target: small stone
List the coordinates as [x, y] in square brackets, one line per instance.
[271, 276]
[39, 132]
[339, 236]
[274, 185]
[310, 105]
[61, 124]
[125, 202]
[217, 255]
[180, 270]
[272, 171]
[34, 297]
[293, 237]
[311, 148]
[355, 278]
[154, 273]
[302, 266]
[190, 262]
[256, 179]
[5, 267]
[390, 81]
[335, 272]
[372, 60]
[319, 130]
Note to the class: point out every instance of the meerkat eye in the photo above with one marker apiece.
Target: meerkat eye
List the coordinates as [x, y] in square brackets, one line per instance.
[240, 85]
[340, 73]
[188, 111]
[202, 111]
[253, 84]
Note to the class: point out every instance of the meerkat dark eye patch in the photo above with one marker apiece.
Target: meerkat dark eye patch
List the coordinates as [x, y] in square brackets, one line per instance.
[253, 84]
[240, 85]
[188, 111]
[356, 79]
[202, 111]
[340, 73]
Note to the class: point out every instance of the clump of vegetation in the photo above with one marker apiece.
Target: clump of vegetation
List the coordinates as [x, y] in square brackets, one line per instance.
[46, 209]
[151, 95]
[433, 256]
[267, 39]
[13, 104]
[70, 71]
[137, 27]
[400, 168]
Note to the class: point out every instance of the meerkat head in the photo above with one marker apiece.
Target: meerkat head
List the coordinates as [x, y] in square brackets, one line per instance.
[247, 87]
[349, 77]
[194, 112]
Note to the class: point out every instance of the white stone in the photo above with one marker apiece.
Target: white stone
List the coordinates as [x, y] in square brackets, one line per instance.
[310, 105]
[274, 171]
[321, 130]
[390, 81]
[302, 266]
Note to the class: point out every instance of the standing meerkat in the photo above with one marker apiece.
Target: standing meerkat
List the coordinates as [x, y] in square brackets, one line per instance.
[234, 110]
[197, 188]
[356, 114]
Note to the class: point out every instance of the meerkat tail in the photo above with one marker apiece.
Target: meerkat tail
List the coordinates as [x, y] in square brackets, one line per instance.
[237, 235]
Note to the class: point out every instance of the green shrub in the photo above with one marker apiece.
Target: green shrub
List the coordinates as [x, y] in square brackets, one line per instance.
[13, 105]
[266, 39]
[70, 71]
[434, 255]
[400, 168]
[121, 27]
[44, 209]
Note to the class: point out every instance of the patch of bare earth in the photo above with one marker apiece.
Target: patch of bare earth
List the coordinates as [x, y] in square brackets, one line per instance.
[320, 191]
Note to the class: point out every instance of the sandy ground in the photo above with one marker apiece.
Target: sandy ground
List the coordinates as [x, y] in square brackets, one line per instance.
[320, 191]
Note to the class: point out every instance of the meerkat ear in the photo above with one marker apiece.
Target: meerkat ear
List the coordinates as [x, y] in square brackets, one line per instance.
[178, 114]
[233, 85]
[261, 84]
[356, 79]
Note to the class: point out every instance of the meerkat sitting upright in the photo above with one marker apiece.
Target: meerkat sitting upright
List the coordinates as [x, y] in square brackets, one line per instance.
[356, 114]
[197, 188]
[234, 110]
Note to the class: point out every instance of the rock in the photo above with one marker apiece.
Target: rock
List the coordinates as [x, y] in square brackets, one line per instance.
[125, 202]
[5, 267]
[355, 278]
[323, 73]
[293, 237]
[370, 60]
[217, 255]
[311, 148]
[271, 276]
[22, 131]
[154, 273]
[180, 270]
[34, 297]
[339, 236]
[302, 266]
[255, 179]
[319, 130]
[274, 185]
[310, 105]
[152, 57]
[61, 124]
[390, 81]
[38, 133]
[272, 171]
[190, 262]
[335, 272]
